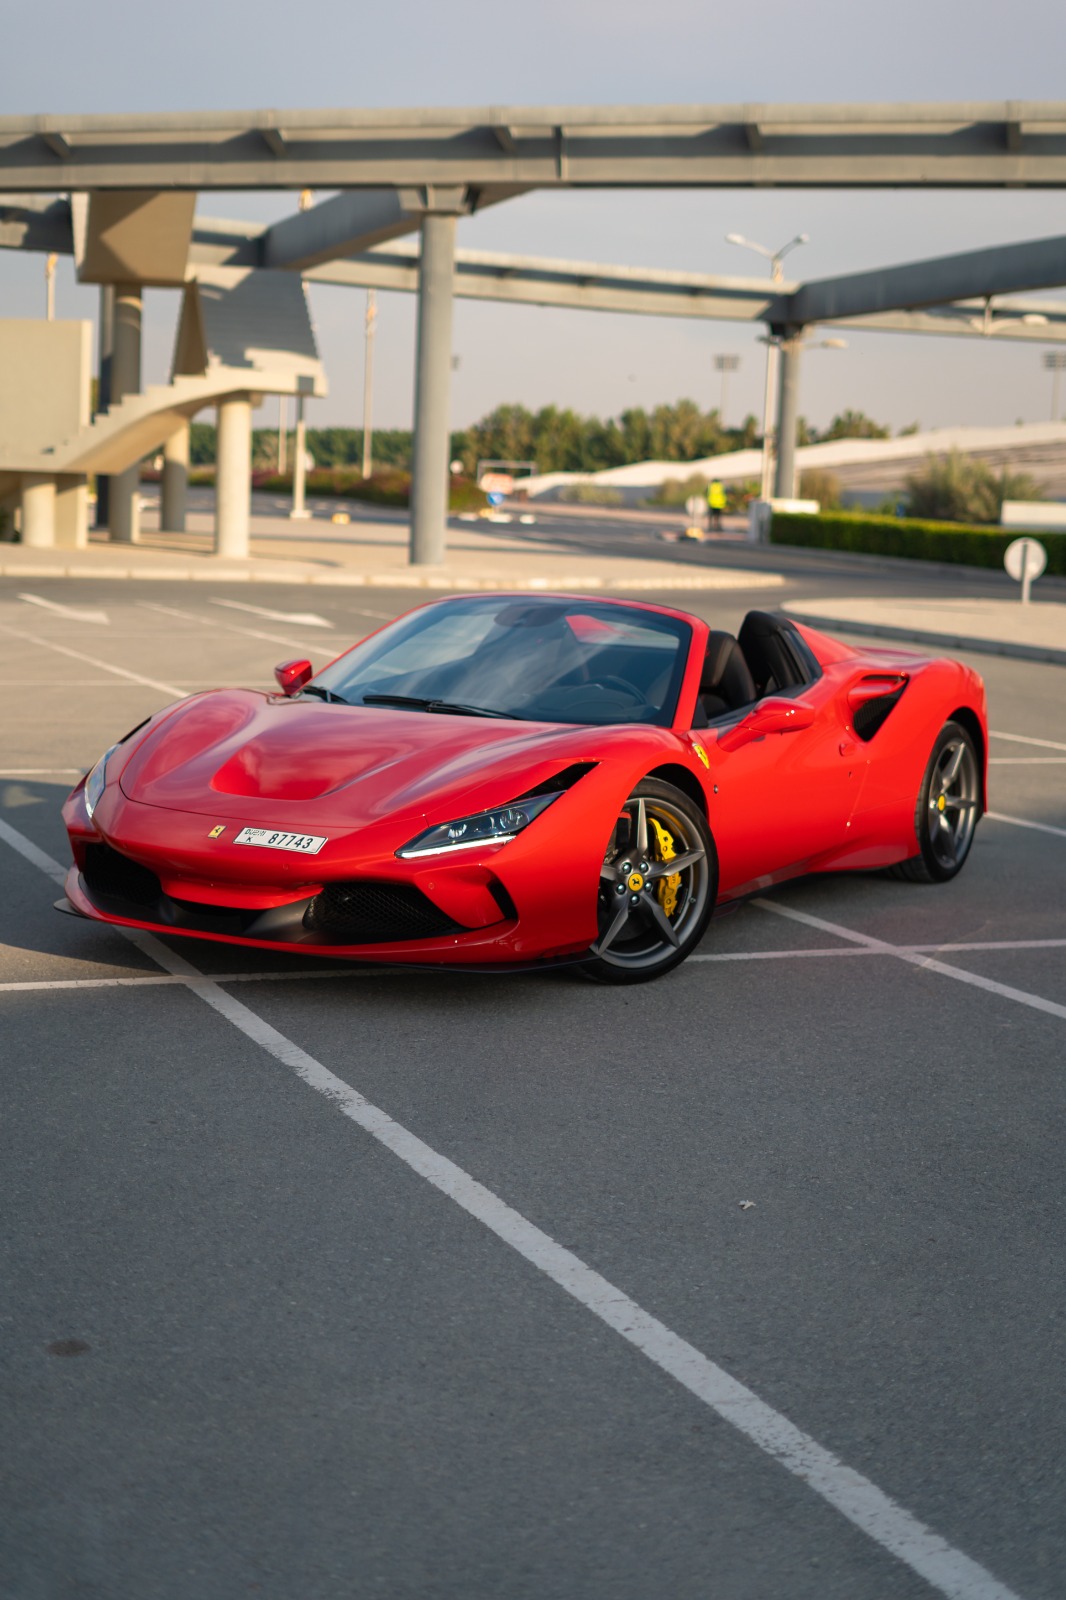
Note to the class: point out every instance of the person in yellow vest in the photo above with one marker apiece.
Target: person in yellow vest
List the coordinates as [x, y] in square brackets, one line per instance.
[715, 504]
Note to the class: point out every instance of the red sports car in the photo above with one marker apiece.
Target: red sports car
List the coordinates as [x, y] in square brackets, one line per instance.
[502, 780]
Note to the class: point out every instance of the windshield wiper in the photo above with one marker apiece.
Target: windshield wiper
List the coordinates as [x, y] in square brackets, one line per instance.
[327, 694]
[446, 706]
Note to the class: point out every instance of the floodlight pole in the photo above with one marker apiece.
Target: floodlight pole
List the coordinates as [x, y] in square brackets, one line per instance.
[368, 384]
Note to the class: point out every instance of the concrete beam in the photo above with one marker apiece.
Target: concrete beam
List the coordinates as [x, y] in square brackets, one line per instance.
[996, 144]
[1004, 269]
[233, 476]
[137, 237]
[344, 226]
[30, 223]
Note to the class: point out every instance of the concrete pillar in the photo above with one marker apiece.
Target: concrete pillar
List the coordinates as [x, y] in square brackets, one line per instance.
[103, 390]
[233, 475]
[174, 488]
[124, 497]
[38, 510]
[72, 512]
[299, 512]
[429, 485]
[788, 414]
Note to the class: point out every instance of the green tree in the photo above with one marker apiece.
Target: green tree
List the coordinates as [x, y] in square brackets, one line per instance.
[957, 488]
[854, 425]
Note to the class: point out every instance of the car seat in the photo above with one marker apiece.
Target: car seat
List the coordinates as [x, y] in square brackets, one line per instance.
[763, 641]
[725, 683]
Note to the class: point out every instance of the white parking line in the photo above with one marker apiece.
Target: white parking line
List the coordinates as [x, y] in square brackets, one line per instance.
[41, 772]
[1023, 738]
[877, 950]
[231, 627]
[856, 1497]
[70, 613]
[1020, 822]
[1027, 761]
[1034, 1001]
[94, 661]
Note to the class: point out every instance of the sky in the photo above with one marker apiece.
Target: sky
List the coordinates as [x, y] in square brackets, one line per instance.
[113, 56]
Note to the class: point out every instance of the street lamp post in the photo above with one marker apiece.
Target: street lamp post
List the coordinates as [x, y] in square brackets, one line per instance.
[725, 365]
[368, 384]
[1055, 362]
[775, 258]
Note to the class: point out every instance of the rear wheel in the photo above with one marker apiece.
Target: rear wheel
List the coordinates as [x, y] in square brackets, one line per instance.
[658, 885]
[946, 815]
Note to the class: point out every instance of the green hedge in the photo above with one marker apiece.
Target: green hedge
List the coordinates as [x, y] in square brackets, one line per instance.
[388, 487]
[948, 542]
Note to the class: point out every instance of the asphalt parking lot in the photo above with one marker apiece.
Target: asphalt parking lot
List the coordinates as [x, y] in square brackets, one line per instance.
[335, 1282]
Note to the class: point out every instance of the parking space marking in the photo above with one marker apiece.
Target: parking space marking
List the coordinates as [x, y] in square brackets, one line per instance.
[916, 958]
[93, 661]
[1021, 822]
[230, 627]
[71, 613]
[40, 772]
[856, 1497]
[1027, 761]
[877, 950]
[1024, 738]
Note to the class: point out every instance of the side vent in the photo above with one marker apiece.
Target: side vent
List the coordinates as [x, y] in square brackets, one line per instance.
[872, 700]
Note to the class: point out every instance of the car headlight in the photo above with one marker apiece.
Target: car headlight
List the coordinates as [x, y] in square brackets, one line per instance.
[487, 827]
[94, 783]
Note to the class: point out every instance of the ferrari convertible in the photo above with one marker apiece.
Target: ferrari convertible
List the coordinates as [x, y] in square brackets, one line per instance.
[510, 780]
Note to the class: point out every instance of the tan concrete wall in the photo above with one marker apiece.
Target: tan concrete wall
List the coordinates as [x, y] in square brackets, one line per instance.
[45, 370]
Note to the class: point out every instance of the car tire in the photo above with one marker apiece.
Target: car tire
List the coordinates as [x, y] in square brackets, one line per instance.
[947, 809]
[649, 918]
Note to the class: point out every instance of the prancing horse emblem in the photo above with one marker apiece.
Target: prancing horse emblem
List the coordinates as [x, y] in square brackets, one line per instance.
[216, 832]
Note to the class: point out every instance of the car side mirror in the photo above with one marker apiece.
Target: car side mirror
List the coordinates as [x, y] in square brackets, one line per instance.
[769, 716]
[292, 675]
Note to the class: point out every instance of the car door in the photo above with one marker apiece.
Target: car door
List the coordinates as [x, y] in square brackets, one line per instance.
[784, 779]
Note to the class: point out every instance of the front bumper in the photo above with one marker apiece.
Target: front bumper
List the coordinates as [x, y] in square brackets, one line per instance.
[139, 867]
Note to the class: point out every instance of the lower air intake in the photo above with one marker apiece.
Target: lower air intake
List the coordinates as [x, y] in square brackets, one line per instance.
[114, 876]
[376, 913]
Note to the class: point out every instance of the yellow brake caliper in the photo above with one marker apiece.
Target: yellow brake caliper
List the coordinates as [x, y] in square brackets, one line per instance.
[668, 887]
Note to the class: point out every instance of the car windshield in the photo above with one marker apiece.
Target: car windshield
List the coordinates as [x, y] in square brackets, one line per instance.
[537, 659]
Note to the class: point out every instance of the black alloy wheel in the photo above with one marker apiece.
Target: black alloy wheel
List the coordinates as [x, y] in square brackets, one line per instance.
[658, 886]
[948, 809]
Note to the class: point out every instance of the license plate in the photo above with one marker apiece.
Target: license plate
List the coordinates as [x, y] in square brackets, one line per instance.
[304, 844]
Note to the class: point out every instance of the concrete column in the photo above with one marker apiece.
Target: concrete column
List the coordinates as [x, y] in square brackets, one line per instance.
[125, 491]
[233, 475]
[299, 512]
[788, 415]
[72, 512]
[38, 510]
[174, 488]
[103, 390]
[429, 486]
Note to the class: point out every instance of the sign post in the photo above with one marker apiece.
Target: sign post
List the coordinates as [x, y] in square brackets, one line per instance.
[1025, 559]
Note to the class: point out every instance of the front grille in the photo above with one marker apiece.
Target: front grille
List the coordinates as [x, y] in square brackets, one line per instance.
[116, 877]
[376, 913]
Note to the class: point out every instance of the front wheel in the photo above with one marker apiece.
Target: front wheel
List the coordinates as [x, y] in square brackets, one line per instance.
[658, 886]
[948, 808]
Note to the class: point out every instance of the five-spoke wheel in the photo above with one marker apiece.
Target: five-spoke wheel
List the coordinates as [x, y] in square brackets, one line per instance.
[948, 809]
[658, 885]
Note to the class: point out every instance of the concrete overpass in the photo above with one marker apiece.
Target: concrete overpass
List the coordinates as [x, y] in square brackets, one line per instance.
[134, 180]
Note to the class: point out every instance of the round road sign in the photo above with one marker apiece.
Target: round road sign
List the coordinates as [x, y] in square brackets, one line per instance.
[1025, 558]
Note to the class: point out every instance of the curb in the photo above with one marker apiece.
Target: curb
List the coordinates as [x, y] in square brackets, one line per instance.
[342, 578]
[949, 641]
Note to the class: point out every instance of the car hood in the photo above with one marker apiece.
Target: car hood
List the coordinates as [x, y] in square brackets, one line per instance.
[237, 753]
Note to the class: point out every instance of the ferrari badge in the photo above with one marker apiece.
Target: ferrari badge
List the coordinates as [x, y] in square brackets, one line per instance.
[217, 832]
